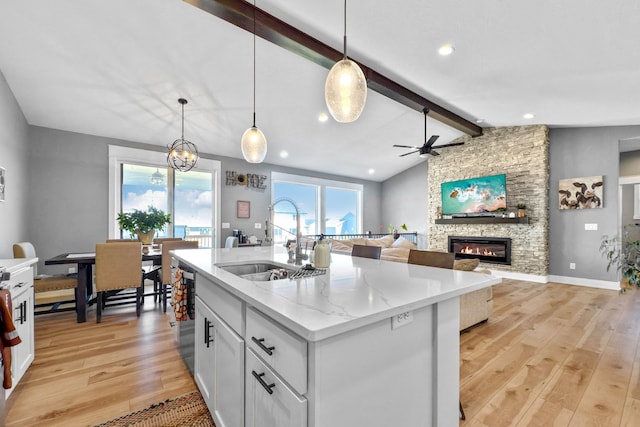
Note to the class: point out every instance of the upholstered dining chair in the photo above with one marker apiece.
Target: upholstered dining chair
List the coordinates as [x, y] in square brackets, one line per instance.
[49, 290]
[167, 281]
[435, 259]
[118, 267]
[150, 271]
[366, 251]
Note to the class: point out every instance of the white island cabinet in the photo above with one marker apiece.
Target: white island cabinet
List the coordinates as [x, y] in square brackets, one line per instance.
[369, 343]
[20, 286]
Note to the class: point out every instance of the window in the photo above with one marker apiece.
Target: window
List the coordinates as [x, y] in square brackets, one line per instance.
[329, 207]
[191, 197]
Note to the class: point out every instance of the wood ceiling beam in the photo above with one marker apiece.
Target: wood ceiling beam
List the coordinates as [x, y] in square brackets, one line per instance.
[240, 13]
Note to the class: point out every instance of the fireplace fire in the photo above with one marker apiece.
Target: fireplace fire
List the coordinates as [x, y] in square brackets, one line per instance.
[495, 250]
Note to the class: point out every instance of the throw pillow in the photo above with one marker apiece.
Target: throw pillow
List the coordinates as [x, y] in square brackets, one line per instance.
[401, 242]
[383, 242]
[466, 264]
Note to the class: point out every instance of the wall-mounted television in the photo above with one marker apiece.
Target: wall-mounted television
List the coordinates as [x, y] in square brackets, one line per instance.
[475, 195]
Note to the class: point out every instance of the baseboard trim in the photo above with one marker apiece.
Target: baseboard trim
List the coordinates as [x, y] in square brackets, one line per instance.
[519, 276]
[589, 283]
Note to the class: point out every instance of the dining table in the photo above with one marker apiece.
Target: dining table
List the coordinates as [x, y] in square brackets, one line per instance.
[85, 262]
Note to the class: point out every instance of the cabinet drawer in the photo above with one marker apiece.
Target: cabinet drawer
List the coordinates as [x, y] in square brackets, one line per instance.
[269, 402]
[282, 350]
[227, 306]
[20, 282]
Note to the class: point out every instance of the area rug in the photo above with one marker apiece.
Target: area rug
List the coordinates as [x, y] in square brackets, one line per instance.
[188, 410]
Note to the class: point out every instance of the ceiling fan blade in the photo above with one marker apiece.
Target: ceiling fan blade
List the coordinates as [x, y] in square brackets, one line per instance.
[431, 140]
[410, 152]
[434, 153]
[406, 146]
[449, 145]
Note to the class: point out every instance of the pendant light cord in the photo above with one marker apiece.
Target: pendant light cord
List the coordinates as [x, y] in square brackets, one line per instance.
[182, 120]
[345, 29]
[254, 63]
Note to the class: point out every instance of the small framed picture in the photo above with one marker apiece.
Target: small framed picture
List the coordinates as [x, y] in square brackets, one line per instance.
[2, 178]
[243, 209]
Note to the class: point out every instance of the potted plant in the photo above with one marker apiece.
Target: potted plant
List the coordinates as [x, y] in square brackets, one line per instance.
[521, 210]
[144, 224]
[623, 254]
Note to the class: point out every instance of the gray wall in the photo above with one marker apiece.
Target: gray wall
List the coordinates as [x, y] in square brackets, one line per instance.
[578, 152]
[13, 157]
[406, 200]
[630, 163]
[68, 201]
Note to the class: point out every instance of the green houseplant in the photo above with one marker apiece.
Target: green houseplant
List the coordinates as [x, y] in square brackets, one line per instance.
[623, 254]
[143, 224]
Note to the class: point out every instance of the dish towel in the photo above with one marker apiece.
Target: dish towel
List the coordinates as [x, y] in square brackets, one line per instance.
[8, 335]
[179, 297]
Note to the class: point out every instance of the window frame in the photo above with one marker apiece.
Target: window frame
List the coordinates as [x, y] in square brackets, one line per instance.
[322, 185]
[120, 154]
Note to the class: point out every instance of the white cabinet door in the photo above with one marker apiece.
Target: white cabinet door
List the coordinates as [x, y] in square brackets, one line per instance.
[219, 367]
[204, 368]
[269, 401]
[228, 394]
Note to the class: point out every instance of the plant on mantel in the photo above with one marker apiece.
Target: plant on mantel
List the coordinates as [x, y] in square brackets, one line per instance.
[623, 254]
[143, 224]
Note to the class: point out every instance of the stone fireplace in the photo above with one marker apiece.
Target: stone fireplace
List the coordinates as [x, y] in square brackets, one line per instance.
[522, 154]
[492, 250]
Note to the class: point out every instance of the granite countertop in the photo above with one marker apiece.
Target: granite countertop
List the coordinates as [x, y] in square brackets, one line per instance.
[353, 293]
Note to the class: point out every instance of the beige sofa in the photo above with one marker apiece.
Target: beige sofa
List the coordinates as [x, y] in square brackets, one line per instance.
[475, 307]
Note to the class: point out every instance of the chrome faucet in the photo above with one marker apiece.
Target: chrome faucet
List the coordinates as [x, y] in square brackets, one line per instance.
[269, 238]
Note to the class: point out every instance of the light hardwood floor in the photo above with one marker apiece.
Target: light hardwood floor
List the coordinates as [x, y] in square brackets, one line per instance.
[551, 355]
[87, 373]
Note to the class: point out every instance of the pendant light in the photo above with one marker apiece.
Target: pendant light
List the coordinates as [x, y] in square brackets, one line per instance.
[345, 90]
[254, 143]
[183, 154]
[157, 178]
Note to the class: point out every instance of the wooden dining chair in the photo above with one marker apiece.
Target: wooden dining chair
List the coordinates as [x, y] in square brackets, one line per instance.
[51, 291]
[366, 251]
[440, 260]
[167, 281]
[431, 258]
[118, 267]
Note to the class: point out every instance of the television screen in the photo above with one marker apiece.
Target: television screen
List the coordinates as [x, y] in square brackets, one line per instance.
[475, 195]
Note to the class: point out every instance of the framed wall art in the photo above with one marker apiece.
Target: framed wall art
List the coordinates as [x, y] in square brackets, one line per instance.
[581, 193]
[243, 209]
[2, 185]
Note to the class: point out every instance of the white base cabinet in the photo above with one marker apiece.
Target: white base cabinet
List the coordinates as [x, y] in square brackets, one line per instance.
[22, 301]
[219, 367]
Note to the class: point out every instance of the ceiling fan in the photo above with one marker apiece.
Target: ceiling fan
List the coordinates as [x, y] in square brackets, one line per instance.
[427, 147]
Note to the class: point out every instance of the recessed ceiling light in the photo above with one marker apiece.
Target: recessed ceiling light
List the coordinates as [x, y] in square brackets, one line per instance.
[284, 154]
[323, 117]
[371, 171]
[446, 50]
[479, 121]
[529, 116]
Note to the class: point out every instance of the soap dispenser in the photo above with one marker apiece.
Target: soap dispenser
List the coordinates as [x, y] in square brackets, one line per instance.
[322, 253]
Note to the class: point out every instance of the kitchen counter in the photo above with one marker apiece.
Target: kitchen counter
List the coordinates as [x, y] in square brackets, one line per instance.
[369, 342]
[14, 265]
[353, 293]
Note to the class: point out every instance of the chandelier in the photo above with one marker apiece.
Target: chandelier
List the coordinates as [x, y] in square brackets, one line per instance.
[183, 154]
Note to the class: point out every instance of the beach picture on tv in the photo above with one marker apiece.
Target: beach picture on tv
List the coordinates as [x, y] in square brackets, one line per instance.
[475, 195]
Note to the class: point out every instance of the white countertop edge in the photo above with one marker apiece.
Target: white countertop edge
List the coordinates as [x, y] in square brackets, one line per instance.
[15, 264]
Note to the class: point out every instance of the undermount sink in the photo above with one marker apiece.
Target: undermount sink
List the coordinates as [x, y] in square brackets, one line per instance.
[258, 271]
[264, 271]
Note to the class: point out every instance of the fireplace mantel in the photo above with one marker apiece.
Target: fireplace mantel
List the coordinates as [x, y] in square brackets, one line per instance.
[483, 220]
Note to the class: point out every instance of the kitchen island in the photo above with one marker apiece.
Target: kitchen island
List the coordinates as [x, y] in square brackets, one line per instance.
[368, 343]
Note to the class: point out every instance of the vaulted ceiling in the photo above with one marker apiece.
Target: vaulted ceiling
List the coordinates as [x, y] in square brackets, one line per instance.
[116, 69]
